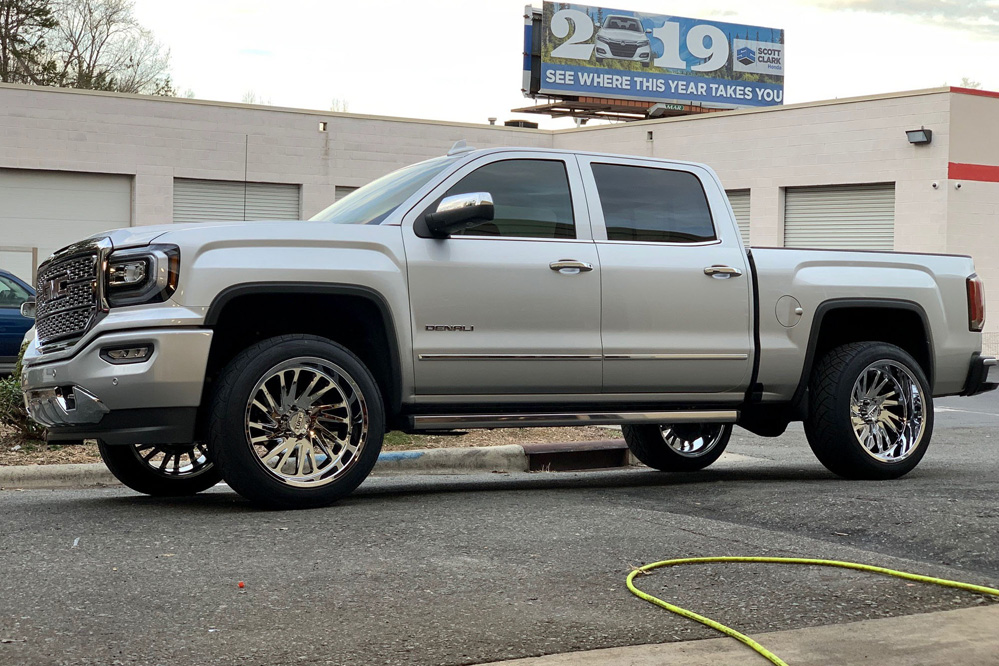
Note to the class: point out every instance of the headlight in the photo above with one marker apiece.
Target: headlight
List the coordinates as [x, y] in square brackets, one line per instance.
[602, 39]
[141, 275]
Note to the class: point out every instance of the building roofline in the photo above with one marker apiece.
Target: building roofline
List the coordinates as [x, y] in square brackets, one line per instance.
[425, 121]
[974, 91]
[263, 107]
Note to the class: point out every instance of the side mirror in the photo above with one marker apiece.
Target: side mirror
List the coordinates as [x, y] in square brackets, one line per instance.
[28, 309]
[460, 212]
[648, 31]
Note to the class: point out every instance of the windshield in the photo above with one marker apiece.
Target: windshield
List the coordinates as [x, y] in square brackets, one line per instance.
[622, 23]
[377, 200]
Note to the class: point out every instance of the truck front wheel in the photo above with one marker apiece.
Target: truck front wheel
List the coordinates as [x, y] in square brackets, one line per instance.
[870, 411]
[161, 470]
[679, 447]
[297, 422]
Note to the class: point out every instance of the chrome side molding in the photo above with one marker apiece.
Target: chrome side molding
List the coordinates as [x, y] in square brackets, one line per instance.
[550, 420]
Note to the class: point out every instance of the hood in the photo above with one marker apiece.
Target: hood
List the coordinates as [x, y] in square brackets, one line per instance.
[141, 236]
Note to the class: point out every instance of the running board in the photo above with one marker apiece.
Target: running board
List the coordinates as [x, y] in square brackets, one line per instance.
[529, 420]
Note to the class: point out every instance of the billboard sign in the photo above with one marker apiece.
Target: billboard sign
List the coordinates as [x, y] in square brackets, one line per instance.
[611, 53]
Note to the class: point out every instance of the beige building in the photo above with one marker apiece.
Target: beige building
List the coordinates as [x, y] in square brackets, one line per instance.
[838, 173]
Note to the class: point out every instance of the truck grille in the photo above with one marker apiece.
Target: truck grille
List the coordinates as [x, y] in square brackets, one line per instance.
[67, 297]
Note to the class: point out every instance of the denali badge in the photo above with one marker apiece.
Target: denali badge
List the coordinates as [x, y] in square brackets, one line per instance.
[450, 327]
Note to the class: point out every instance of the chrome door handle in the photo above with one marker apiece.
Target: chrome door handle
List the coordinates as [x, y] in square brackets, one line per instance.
[722, 271]
[570, 266]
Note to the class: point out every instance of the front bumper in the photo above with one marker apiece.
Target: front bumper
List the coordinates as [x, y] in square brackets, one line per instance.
[982, 376]
[87, 396]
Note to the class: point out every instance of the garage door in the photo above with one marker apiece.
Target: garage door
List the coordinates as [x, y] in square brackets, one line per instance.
[42, 211]
[224, 200]
[340, 191]
[740, 206]
[847, 217]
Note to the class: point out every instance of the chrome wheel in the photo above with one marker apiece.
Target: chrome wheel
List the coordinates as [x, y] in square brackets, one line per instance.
[887, 411]
[307, 422]
[692, 440]
[173, 461]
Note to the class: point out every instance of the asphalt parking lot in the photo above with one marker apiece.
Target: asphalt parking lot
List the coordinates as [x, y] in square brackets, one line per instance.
[458, 570]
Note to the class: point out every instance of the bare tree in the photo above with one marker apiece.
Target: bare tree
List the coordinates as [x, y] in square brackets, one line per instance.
[99, 45]
[340, 105]
[23, 28]
[251, 97]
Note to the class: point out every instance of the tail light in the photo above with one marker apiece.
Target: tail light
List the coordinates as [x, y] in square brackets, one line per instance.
[976, 303]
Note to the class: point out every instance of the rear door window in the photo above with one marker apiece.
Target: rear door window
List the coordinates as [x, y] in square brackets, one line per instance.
[645, 204]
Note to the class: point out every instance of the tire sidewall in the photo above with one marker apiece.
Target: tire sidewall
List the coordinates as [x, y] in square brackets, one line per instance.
[859, 463]
[126, 466]
[237, 461]
[647, 444]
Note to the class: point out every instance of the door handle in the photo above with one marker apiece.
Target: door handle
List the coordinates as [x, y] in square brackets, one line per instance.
[570, 266]
[722, 271]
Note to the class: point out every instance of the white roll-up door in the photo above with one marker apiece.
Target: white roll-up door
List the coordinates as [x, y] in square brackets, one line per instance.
[224, 200]
[340, 191]
[43, 211]
[843, 217]
[740, 206]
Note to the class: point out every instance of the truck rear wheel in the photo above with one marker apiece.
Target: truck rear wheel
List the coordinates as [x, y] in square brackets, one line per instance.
[297, 422]
[870, 411]
[680, 447]
[161, 470]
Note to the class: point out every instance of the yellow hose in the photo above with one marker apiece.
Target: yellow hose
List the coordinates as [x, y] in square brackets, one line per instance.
[742, 638]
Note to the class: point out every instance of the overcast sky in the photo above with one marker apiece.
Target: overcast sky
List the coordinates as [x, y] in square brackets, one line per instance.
[460, 60]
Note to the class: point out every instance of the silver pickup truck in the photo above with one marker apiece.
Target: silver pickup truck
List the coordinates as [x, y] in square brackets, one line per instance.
[484, 289]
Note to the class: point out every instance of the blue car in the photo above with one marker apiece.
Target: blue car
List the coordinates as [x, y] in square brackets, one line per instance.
[13, 326]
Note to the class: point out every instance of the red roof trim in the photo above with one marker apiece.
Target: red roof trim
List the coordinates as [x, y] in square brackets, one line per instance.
[974, 91]
[980, 172]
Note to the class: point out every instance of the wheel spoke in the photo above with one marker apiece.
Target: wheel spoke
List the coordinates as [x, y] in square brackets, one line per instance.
[691, 441]
[886, 411]
[312, 430]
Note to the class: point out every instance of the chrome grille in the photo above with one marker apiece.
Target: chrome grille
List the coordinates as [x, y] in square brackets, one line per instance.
[67, 296]
[622, 50]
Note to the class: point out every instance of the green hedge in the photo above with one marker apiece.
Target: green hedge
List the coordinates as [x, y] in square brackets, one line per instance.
[13, 415]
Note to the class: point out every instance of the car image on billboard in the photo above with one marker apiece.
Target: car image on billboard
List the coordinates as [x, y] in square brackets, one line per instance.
[623, 38]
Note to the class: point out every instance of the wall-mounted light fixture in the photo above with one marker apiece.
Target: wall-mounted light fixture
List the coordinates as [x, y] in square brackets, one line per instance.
[920, 136]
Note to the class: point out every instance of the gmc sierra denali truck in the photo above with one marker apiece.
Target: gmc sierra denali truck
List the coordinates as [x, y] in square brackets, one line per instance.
[484, 289]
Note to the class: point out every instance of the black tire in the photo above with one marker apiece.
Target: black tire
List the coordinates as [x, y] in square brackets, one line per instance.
[829, 426]
[649, 444]
[314, 480]
[151, 470]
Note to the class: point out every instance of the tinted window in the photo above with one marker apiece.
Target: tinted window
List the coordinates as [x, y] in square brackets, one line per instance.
[530, 197]
[11, 293]
[654, 205]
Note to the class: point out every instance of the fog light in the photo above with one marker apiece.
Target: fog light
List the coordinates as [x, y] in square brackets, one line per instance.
[119, 355]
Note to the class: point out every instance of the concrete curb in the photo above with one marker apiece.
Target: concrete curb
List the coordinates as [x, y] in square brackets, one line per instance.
[509, 458]
[31, 477]
[962, 636]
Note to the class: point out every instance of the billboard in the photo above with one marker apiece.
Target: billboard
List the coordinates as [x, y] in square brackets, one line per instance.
[611, 53]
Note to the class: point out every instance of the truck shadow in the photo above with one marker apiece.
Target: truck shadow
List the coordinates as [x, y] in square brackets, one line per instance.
[222, 499]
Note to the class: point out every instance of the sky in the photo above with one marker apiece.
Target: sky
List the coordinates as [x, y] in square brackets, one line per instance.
[461, 60]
